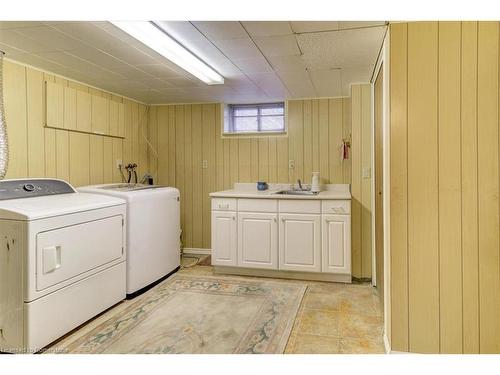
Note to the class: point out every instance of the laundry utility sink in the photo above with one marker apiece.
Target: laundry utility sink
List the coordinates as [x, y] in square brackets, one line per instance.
[296, 192]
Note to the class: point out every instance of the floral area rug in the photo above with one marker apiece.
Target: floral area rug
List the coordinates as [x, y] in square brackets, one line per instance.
[195, 315]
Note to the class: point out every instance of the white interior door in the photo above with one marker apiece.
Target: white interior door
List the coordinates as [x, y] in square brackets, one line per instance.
[258, 240]
[300, 242]
[336, 244]
[224, 246]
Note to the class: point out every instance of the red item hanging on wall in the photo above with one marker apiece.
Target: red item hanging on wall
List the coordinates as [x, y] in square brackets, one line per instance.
[345, 149]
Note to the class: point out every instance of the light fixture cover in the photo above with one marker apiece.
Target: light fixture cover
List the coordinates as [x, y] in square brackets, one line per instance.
[153, 36]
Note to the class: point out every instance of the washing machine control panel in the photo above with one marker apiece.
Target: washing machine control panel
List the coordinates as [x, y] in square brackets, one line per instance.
[25, 188]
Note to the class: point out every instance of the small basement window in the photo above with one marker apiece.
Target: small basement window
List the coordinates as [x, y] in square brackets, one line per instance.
[254, 118]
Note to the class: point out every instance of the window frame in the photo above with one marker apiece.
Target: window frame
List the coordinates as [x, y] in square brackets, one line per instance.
[229, 119]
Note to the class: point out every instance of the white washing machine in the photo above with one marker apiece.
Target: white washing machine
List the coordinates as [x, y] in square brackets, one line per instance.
[153, 230]
[62, 260]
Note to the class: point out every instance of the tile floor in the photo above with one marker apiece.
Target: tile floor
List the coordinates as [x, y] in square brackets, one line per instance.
[332, 318]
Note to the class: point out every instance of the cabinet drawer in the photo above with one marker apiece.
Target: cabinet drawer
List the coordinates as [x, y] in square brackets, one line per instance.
[224, 204]
[299, 206]
[336, 207]
[258, 205]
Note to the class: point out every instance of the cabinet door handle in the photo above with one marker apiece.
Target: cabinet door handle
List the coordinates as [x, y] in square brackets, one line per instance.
[275, 220]
[283, 219]
[234, 218]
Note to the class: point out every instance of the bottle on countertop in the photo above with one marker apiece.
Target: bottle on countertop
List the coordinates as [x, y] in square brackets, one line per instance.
[315, 188]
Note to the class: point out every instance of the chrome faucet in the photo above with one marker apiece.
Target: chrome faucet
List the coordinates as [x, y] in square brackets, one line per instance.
[300, 184]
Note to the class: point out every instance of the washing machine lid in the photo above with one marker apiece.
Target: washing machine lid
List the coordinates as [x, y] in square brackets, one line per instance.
[32, 199]
[123, 187]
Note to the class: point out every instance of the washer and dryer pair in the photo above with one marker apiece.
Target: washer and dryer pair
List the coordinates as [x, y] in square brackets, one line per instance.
[67, 255]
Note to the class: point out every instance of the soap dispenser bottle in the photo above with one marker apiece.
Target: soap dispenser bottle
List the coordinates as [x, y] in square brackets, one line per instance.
[315, 182]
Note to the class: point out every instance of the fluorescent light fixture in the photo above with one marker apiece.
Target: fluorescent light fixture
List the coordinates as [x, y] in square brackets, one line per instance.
[154, 37]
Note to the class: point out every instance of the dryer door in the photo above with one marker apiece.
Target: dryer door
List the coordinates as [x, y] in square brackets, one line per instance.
[64, 253]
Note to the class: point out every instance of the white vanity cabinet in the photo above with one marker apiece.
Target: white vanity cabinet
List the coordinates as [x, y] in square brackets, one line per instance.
[258, 240]
[300, 242]
[224, 232]
[336, 236]
[297, 238]
[300, 235]
[336, 244]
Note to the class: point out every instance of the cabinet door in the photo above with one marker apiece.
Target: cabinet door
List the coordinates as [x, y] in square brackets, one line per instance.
[121, 120]
[100, 115]
[224, 246]
[336, 244]
[258, 240]
[69, 108]
[113, 117]
[83, 110]
[300, 242]
[55, 105]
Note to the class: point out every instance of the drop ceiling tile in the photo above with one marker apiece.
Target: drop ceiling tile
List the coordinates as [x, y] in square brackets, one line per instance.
[184, 82]
[301, 90]
[242, 48]
[18, 24]
[130, 55]
[96, 57]
[270, 83]
[161, 71]
[314, 26]
[156, 83]
[341, 49]
[66, 59]
[254, 65]
[283, 45]
[327, 83]
[49, 36]
[218, 30]
[268, 28]
[294, 76]
[288, 63]
[14, 39]
[90, 34]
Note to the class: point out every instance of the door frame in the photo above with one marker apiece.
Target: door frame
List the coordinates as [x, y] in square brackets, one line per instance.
[383, 62]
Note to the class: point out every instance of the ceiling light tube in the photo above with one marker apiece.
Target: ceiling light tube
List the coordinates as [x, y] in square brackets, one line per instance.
[155, 38]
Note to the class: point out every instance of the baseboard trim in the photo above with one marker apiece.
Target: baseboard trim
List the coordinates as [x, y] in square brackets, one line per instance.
[386, 344]
[340, 278]
[195, 250]
[388, 349]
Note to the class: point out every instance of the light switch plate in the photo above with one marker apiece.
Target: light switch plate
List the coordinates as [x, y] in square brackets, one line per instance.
[291, 164]
[119, 163]
[367, 172]
[204, 164]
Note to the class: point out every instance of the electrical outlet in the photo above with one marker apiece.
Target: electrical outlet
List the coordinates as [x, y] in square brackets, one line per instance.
[204, 164]
[118, 163]
[291, 164]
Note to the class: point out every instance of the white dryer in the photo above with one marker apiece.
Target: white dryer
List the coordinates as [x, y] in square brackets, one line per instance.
[153, 231]
[62, 260]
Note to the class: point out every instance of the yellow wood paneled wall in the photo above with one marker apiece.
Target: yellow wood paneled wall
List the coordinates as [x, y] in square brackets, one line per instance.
[185, 135]
[444, 167]
[37, 151]
[361, 187]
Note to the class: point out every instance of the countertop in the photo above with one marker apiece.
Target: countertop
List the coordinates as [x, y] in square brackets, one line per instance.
[248, 190]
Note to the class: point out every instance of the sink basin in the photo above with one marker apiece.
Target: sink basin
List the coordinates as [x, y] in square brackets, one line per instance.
[295, 192]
